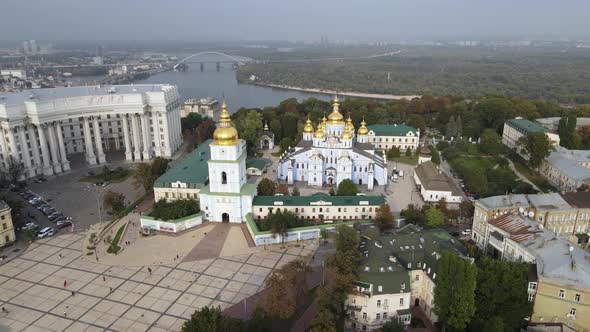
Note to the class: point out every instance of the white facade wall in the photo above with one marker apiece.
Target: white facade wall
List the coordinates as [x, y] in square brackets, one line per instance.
[400, 142]
[329, 212]
[434, 196]
[42, 133]
[172, 227]
[423, 292]
[375, 310]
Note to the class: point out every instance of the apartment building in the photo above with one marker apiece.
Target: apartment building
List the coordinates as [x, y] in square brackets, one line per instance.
[7, 235]
[565, 214]
[398, 271]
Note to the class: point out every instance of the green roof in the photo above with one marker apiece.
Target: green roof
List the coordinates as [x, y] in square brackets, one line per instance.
[308, 200]
[526, 126]
[192, 169]
[258, 163]
[391, 130]
[389, 260]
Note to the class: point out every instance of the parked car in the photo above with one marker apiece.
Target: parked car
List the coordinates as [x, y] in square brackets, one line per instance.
[401, 173]
[455, 234]
[55, 216]
[31, 226]
[63, 223]
[466, 231]
[46, 232]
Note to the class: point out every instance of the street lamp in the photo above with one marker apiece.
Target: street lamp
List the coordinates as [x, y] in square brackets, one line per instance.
[97, 192]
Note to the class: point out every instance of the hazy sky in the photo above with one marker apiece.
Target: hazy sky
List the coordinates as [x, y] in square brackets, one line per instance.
[207, 20]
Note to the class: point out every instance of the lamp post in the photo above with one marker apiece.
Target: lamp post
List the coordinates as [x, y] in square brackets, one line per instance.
[97, 191]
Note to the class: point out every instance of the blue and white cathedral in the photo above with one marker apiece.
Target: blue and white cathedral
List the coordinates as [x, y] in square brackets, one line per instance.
[333, 152]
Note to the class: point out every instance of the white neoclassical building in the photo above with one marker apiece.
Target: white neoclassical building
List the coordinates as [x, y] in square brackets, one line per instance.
[41, 127]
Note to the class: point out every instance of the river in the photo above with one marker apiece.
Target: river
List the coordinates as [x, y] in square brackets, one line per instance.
[195, 83]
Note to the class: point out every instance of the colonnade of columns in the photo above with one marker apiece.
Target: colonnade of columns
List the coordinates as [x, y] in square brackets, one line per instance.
[41, 148]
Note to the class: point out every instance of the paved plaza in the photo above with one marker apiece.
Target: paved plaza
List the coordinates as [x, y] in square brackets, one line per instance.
[124, 298]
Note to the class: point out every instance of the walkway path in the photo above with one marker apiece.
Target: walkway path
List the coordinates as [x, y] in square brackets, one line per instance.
[211, 245]
[522, 177]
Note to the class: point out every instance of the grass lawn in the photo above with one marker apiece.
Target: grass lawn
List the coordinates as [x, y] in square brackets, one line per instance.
[114, 247]
[111, 176]
[276, 154]
[411, 160]
[534, 177]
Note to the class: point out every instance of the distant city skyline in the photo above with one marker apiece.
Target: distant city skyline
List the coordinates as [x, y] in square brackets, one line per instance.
[305, 20]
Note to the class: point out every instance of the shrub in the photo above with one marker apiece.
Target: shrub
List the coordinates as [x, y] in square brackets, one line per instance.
[164, 210]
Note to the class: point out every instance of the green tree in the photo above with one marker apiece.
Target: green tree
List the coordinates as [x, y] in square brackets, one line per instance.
[16, 169]
[435, 155]
[249, 127]
[501, 292]
[490, 142]
[285, 290]
[282, 189]
[568, 137]
[210, 319]
[536, 146]
[114, 201]
[191, 121]
[279, 225]
[332, 192]
[451, 128]
[286, 142]
[295, 191]
[393, 325]
[159, 166]
[394, 152]
[325, 321]
[180, 208]
[408, 152]
[434, 217]
[143, 177]
[384, 217]
[454, 294]
[413, 215]
[266, 187]
[347, 188]
[494, 111]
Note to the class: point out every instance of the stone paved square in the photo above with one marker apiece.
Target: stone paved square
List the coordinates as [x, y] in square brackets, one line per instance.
[123, 297]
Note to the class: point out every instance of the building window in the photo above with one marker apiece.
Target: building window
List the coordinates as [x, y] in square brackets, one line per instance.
[223, 178]
[364, 315]
[417, 277]
[531, 297]
[561, 293]
[378, 303]
[384, 316]
[385, 303]
[401, 301]
[532, 286]
[378, 316]
[572, 313]
[577, 298]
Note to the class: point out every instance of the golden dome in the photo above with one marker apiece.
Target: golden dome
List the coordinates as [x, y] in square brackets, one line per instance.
[308, 128]
[349, 126]
[225, 134]
[319, 133]
[335, 117]
[346, 135]
[363, 130]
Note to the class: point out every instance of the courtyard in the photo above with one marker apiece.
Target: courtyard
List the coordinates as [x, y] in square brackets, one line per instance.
[53, 286]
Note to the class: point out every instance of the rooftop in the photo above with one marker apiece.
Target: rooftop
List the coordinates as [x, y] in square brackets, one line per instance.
[555, 201]
[47, 94]
[3, 205]
[505, 201]
[580, 199]
[526, 126]
[570, 162]
[319, 199]
[551, 201]
[258, 163]
[392, 130]
[562, 262]
[387, 258]
[192, 169]
[432, 179]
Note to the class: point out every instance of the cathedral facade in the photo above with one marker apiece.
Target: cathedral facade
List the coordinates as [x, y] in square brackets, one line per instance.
[333, 152]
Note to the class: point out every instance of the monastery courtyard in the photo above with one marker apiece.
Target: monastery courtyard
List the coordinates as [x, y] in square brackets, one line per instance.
[54, 286]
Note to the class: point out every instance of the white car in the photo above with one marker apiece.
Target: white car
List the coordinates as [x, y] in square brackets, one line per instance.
[46, 232]
[466, 231]
[401, 173]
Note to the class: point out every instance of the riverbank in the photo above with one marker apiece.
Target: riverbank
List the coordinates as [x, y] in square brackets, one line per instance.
[340, 93]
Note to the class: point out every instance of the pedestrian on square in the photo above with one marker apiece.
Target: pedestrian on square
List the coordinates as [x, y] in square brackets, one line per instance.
[104, 278]
[73, 293]
[65, 283]
[149, 270]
